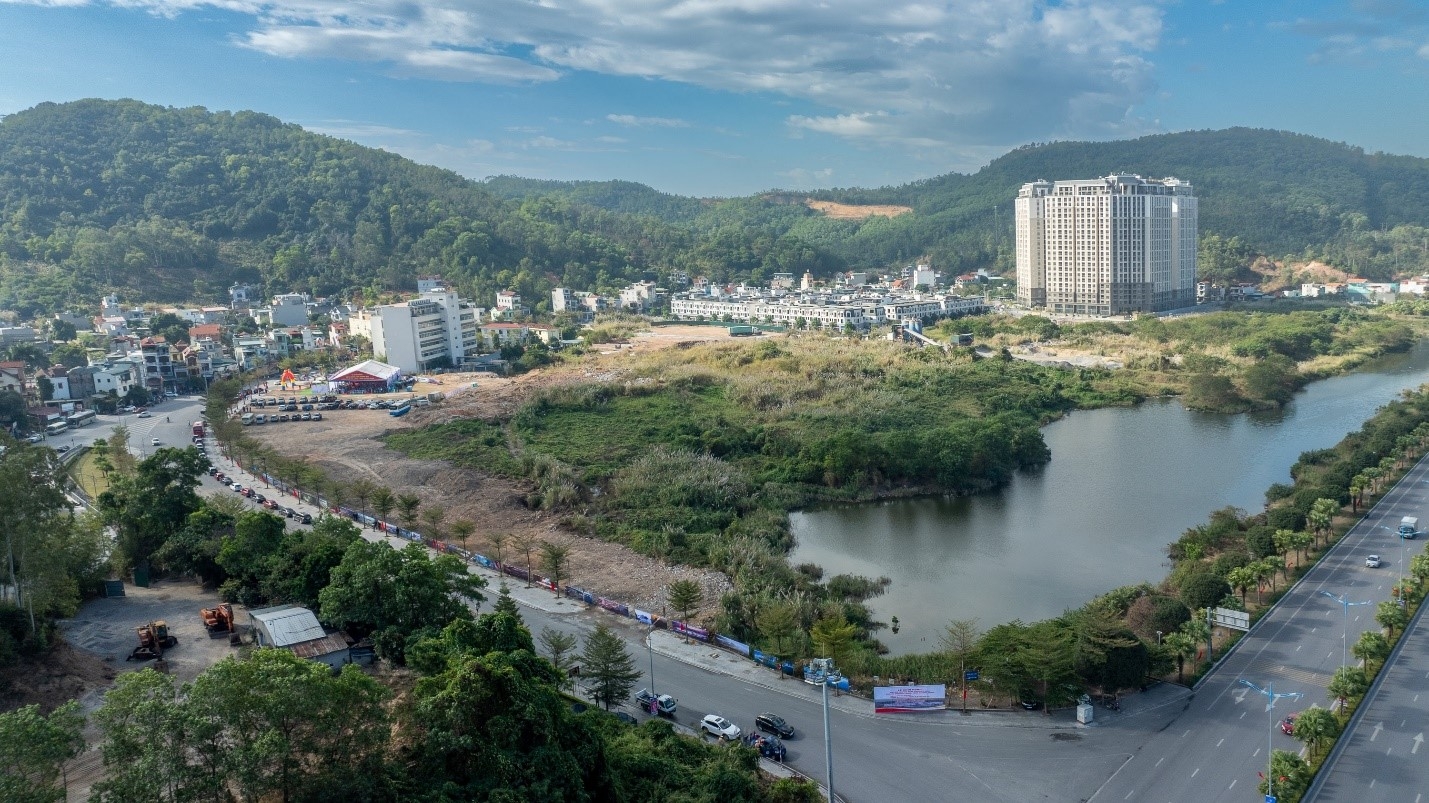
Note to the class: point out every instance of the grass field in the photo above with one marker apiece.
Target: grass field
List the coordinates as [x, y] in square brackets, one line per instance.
[88, 478]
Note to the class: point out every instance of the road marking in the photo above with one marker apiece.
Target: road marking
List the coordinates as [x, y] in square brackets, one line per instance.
[1298, 646]
[1418, 740]
[1221, 742]
[1256, 753]
[1243, 713]
[1187, 733]
[1240, 695]
[1197, 772]
[1232, 786]
[1378, 726]
[1158, 761]
[1129, 794]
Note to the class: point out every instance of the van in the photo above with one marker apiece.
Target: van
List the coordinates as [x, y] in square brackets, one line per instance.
[247, 419]
[1408, 527]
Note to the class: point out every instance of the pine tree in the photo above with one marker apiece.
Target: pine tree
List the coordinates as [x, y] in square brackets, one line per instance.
[607, 667]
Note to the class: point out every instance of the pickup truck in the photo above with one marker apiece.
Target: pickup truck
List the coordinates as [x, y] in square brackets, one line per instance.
[662, 704]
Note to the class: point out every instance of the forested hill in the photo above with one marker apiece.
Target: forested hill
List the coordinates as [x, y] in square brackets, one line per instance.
[175, 204]
[1279, 193]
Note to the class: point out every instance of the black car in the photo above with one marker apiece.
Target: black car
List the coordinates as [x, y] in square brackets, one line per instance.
[1030, 705]
[775, 724]
[305, 518]
[290, 513]
[626, 718]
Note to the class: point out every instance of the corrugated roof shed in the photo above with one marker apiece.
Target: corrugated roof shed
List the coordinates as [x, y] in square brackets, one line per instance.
[289, 624]
[317, 648]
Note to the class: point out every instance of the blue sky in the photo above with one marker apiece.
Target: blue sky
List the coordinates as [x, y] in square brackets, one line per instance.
[730, 97]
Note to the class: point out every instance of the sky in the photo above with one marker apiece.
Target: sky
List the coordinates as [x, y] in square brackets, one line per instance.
[733, 97]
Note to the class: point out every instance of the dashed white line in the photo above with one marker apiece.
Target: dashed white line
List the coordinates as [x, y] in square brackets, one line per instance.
[1159, 760]
[1129, 794]
[1221, 742]
[1298, 646]
[1232, 786]
[1187, 733]
[1197, 772]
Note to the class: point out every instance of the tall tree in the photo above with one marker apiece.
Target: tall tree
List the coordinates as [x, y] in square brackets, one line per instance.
[559, 648]
[526, 542]
[959, 641]
[153, 504]
[383, 502]
[408, 504]
[462, 530]
[833, 637]
[684, 596]
[554, 560]
[607, 668]
[433, 516]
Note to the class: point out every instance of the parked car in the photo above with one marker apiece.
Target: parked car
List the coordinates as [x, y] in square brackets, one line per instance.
[36, 438]
[212, 472]
[661, 704]
[716, 725]
[259, 498]
[290, 513]
[1287, 725]
[317, 416]
[1372, 561]
[155, 442]
[236, 488]
[775, 724]
[768, 746]
[305, 518]
[1030, 704]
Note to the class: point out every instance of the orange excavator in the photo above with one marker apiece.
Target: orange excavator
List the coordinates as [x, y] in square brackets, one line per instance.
[154, 638]
[218, 619]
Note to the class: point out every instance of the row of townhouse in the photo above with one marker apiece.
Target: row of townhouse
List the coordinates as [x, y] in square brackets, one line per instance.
[823, 310]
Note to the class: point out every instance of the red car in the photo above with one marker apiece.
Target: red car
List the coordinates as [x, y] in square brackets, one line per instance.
[1287, 725]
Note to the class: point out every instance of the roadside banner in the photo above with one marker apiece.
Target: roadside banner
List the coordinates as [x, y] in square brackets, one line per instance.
[731, 644]
[643, 617]
[897, 699]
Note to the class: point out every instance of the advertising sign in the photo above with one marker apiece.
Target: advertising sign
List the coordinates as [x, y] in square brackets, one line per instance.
[895, 699]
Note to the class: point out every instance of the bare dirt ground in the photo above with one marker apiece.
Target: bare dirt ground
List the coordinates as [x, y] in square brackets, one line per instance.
[346, 445]
[99, 639]
[855, 212]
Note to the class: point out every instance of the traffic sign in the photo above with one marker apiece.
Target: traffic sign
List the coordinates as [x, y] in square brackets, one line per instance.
[971, 674]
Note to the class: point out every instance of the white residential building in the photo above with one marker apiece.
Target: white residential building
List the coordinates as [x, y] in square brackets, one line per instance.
[289, 309]
[415, 335]
[1106, 246]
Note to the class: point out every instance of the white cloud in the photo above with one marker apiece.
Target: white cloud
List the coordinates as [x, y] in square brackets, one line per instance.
[801, 178]
[906, 72]
[647, 122]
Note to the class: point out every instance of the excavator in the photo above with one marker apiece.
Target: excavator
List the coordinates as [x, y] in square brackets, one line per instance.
[154, 638]
[218, 619]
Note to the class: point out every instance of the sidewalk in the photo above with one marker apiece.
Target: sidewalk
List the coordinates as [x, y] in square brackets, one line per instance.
[721, 661]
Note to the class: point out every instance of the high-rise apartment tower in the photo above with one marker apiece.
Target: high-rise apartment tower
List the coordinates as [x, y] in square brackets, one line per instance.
[1106, 246]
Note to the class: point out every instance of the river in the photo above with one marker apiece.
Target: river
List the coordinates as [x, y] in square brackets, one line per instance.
[1123, 483]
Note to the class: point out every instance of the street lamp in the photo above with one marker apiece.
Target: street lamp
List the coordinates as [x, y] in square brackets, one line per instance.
[1270, 697]
[1158, 638]
[828, 743]
[1345, 643]
[651, 652]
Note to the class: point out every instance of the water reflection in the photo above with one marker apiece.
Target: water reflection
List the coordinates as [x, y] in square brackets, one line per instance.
[1123, 483]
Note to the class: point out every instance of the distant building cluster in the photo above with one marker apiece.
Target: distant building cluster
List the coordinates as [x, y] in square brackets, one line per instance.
[1117, 245]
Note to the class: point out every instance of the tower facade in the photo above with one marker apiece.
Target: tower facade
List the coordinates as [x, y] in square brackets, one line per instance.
[1106, 246]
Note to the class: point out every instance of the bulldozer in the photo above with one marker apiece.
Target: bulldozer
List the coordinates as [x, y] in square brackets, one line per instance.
[154, 638]
[218, 619]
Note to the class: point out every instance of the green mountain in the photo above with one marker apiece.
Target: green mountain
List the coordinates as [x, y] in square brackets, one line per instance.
[175, 204]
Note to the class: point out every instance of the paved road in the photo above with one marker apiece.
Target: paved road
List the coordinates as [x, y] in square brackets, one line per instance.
[1167, 744]
[1217, 749]
[1385, 759]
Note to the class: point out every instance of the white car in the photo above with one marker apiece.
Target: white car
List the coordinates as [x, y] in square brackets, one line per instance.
[716, 725]
[1372, 561]
[155, 442]
[145, 414]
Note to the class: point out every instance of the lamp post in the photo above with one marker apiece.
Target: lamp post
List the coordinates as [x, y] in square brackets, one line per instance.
[1345, 643]
[1158, 638]
[651, 652]
[1270, 697]
[828, 744]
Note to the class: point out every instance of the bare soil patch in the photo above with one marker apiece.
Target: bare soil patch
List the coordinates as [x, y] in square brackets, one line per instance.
[346, 445]
[855, 212]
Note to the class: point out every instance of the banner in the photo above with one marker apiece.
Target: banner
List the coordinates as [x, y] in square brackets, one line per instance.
[612, 605]
[643, 617]
[894, 699]
[729, 643]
